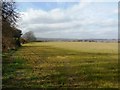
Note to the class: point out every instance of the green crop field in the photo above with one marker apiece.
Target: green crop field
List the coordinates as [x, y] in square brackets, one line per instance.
[62, 64]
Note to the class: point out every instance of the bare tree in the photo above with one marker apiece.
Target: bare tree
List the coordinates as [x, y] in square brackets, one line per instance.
[29, 36]
[10, 34]
[9, 13]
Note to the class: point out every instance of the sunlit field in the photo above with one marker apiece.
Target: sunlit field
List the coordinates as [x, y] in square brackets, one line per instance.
[62, 65]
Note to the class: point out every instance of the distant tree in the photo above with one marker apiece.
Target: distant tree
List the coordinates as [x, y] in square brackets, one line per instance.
[29, 36]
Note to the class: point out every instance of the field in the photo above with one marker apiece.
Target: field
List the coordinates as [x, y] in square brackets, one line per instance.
[62, 64]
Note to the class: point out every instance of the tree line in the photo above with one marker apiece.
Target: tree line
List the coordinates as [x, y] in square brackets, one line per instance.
[11, 36]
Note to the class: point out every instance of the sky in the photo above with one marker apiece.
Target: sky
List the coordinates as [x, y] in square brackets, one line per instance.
[72, 20]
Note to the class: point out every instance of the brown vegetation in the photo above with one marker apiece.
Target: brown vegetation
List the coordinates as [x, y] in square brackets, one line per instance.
[10, 34]
[10, 37]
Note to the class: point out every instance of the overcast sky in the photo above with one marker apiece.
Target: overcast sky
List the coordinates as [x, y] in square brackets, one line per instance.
[80, 20]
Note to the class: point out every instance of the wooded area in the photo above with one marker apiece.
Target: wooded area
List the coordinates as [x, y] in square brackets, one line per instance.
[10, 34]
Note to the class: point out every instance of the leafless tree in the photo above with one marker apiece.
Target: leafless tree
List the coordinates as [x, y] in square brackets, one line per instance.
[9, 13]
[29, 36]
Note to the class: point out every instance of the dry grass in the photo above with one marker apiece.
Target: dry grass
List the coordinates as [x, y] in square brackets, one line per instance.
[92, 47]
[62, 64]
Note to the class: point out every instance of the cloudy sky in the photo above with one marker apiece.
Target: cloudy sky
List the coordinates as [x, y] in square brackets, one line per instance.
[78, 20]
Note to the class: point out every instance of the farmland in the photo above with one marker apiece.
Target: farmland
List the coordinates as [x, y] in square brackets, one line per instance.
[62, 64]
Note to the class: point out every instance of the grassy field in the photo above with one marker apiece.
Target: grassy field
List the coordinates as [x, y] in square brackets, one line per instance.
[62, 64]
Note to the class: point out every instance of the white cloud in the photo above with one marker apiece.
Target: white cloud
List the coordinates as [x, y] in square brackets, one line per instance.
[65, 0]
[83, 20]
